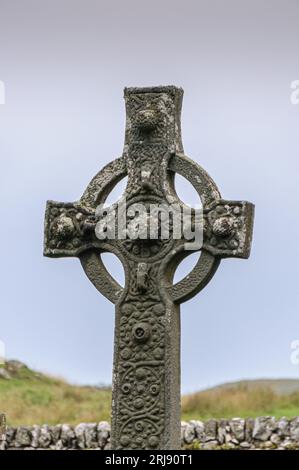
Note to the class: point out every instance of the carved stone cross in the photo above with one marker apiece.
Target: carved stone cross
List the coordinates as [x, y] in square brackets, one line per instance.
[146, 371]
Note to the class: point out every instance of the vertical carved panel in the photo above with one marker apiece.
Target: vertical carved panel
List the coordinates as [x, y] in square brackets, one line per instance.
[142, 363]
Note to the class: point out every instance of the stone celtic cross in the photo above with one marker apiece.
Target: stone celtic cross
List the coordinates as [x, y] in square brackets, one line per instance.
[146, 370]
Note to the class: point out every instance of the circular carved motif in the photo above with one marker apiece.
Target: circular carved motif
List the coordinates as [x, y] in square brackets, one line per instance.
[138, 403]
[139, 426]
[147, 223]
[207, 264]
[154, 389]
[222, 227]
[125, 440]
[139, 441]
[141, 332]
[142, 434]
[126, 388]
[158, 309]
[153, 441]
[141, 388]
[127, 309]
[125, 353]
[63, 227]
[158, 353]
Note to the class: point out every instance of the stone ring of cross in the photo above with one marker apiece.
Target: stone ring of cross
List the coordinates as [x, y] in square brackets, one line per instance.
[146, 376]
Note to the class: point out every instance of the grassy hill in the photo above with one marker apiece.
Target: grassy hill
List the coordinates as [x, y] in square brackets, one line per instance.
[278, 386]
[244, 399]
[29, 397]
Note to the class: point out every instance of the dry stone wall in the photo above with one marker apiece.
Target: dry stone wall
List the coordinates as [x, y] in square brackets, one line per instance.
[259, 433]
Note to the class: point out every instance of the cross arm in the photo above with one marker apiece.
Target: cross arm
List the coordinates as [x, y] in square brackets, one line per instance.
[70, 230]
[228, 227]
[227, 233]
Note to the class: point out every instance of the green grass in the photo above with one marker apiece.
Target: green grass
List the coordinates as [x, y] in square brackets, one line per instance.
[32, 398]
[239, 400]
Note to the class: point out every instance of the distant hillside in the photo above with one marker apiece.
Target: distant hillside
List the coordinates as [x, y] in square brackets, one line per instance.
[28, 397]
[278, 386]
[246, 398]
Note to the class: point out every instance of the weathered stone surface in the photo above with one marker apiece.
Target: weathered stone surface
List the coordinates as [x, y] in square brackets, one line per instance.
[56, 432]
[91, 437]
[3, 427]
[231, 445]
[10, 435]
[59, 445]
[289, 444]
[294, 429]
[23, 437]
[103, 433]
[223, 429]
[244, 445]
[210, 445]
[45, 437]
[266, 445]
[183, 427]
[80, 435]
[107, 446]
[211, 430]
[153, 153]
[237, 426]
[36, 431]
[249, 425]
[263, 428]
[199, 429]
[97, 436]
[67, 435]
[189, 433]
[275, 439]
[283, 427]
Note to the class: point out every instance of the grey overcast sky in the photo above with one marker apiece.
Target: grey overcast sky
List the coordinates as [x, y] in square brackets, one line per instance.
[65, 64]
